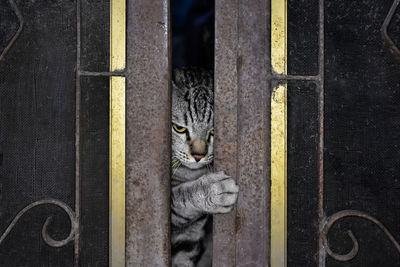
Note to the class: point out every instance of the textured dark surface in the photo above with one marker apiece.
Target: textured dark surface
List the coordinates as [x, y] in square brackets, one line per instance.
[37, 132]
[362, 129]
[242, 119]
[302, 174]
[37, 94]
[95, 35]
[95, 171]
[95, 44]
[302, 37]
[148, 131]
[362, 124]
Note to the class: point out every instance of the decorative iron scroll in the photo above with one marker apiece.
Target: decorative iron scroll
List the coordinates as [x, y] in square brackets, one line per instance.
[46, 237]
[389, 42]
[17, 34]
[351, 213]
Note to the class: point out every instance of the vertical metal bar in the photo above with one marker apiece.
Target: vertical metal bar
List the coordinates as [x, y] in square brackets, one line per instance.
[148, 132]
[77, 134]
[279, 135]
[117, 135]
[252, 219]
[242, 130]
[321, 66]
[226, 122]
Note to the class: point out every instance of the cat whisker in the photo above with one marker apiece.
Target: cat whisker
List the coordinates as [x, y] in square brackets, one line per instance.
[175, 169]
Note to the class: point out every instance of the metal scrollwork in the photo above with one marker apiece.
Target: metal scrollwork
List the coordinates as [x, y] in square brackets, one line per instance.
[17, 34]
[392, 46]
[351, 213]
[46, 237]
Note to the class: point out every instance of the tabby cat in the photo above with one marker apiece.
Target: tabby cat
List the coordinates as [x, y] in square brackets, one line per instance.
[197, 191]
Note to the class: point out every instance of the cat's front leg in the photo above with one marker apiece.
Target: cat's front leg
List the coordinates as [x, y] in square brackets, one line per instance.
[211, 193]
[216, 193]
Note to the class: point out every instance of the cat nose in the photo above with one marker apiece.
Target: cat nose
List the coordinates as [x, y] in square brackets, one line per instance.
[198, 149]
[198, 157]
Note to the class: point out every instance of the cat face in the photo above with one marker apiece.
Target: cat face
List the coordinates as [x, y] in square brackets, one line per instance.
[192, 118]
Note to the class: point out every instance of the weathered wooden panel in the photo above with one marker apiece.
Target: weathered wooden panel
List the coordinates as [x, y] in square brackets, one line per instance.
[95, 169]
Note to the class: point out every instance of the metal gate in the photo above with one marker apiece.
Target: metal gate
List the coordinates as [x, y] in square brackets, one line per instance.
[302, 127]
[331, 140]
[62, 133]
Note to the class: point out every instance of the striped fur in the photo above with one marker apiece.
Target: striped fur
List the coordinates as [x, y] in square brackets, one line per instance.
[197, 191]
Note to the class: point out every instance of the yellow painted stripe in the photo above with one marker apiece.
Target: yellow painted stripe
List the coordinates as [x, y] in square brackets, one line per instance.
[117, 135]
[279, 136]
[279, 36]
[117, 35]
[117, 172]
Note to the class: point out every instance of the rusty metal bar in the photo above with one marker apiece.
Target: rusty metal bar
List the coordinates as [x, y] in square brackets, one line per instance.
[148, 134]
[253, 206]
[226, 122]
[242, 119]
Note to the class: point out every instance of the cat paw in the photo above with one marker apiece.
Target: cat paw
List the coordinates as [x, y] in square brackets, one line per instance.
[220, 192]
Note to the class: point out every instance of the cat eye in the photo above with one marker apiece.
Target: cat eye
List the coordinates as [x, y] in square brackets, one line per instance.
[179, 129]
[212, 132]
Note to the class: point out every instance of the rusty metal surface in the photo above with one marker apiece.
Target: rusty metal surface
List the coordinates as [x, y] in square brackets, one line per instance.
[147, 134]
[225, 122]
[253, 135]
[242, 107]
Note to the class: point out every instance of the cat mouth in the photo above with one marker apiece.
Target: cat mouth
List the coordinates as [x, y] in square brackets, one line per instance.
[189, 164]
[196, 164]
[192, 161]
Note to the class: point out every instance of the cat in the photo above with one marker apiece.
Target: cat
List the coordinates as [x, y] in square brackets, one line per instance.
[197, 191]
